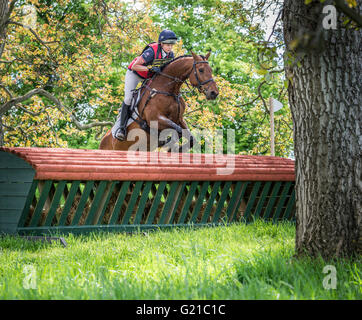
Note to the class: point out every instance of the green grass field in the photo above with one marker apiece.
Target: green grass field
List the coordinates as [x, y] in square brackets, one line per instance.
[252, 261]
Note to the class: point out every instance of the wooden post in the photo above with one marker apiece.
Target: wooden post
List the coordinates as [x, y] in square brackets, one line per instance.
[272, 150]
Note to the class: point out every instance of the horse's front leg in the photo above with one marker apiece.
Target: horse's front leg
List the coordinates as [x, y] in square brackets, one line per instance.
[165, 123]
[189, 136]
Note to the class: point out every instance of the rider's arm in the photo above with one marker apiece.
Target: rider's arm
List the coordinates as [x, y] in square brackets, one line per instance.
[145, 59]
[138, 65]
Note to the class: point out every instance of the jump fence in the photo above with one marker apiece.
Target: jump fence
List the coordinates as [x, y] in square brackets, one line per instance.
[50, 191]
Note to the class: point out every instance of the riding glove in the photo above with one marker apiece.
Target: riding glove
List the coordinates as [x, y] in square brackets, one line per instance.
[155, 69]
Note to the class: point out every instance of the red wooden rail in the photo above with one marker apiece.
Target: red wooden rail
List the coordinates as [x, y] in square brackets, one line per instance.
[79, 164]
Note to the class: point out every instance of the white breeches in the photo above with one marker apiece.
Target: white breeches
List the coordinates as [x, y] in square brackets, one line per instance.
[130, 83]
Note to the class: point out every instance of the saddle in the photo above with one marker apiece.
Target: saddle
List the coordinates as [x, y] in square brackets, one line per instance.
[132, 111]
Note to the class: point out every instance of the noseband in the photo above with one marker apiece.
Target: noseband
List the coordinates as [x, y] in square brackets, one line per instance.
[199, 83]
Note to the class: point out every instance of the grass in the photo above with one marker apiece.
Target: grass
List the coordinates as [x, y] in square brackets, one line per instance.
[252, 261]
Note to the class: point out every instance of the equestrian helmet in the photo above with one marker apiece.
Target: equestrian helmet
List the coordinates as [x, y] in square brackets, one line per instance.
[167, 36]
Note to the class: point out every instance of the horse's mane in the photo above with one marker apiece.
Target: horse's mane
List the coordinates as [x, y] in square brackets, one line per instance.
[179, 57]
[173, 60]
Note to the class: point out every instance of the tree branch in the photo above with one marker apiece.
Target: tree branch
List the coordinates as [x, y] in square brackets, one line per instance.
[32, 31]
[341, 5]
[11, 7]
[52, 127]
[12, 102]
[275, 23]
[33, 114]
[7, 91]
[262, 99]
[257, 97]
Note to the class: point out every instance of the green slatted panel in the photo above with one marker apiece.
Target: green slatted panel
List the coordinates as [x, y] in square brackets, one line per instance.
[29, 200]
[290, 205]
[156, 202]
[262, 199]
[251, 201]
[235, 197]
[68, 203]
[221, 202]
[117, 207]
[83, 200]
[200, 201]
[143, 200]
[168, 203]
[281, 201]
[40, 205]
[96, 202]
[109, 191]
[132, 202]
[165, 193]
[207, 197]
[55, 203]
[245, 185]
[210, 202]
[272, 200]
[188, 200]
[178, 196]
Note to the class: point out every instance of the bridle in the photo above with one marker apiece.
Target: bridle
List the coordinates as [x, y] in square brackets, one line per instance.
[199, 83]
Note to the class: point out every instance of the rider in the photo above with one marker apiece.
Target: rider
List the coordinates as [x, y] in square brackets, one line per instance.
[138, 71]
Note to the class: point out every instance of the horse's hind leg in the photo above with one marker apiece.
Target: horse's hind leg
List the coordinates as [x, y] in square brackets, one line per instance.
[106, 143]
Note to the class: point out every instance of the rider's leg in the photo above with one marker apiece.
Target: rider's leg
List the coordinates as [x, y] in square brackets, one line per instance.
[131, 81]
[123, 119]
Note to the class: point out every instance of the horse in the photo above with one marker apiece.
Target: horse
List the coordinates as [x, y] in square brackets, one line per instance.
[161, 101]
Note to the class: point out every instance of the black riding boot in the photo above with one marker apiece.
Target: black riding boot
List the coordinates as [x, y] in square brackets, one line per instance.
[121, 133]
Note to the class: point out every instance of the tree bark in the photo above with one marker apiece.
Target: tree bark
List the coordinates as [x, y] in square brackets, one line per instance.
[325, 100]
[3, 14]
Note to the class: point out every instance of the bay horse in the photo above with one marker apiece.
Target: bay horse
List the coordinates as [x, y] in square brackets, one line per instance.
[161, 100]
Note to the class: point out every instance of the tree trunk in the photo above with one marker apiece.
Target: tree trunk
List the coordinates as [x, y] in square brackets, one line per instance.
[325, 100]
[4, 15]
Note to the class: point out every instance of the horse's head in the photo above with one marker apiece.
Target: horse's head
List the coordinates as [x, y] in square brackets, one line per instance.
[201, 77]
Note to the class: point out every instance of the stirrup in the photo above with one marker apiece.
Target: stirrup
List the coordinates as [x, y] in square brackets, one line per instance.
[121, 135]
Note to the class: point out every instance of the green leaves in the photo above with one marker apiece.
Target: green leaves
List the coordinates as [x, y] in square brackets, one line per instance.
[241, 60]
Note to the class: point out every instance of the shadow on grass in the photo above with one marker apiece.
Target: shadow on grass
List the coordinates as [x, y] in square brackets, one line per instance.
[16, 243]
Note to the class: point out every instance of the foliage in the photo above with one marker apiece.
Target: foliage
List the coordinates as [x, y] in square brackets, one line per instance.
[74, 51]
[245, 67]
[79, 52]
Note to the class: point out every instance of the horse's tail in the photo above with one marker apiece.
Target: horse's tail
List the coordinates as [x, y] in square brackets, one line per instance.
[106, 142]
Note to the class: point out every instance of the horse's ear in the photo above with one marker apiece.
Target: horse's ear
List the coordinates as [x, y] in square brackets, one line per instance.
[207, 56]
[194, 55]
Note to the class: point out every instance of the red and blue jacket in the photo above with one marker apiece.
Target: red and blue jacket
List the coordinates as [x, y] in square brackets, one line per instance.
[151, 52]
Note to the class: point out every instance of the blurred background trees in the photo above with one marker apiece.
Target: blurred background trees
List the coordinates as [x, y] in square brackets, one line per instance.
[62, 68]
